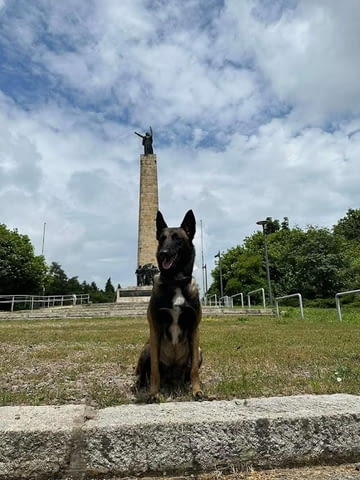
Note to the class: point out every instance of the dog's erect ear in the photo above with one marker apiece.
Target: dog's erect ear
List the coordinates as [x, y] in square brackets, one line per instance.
[160, 224]
[188, 224]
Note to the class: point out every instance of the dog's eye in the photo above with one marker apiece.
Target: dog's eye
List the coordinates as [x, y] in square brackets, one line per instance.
[175, 236]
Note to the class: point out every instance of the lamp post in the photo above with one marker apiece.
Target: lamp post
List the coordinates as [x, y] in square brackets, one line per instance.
[204, 269]
[263, 223]
[221, 278]
[203, 265]
[43, 240]
[42, 253]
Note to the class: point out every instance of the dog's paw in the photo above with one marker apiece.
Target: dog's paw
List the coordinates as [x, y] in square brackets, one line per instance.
[199, 396]
[153, 398]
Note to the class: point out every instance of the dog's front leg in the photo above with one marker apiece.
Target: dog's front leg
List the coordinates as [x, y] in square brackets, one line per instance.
[154, 362]
[195, 365]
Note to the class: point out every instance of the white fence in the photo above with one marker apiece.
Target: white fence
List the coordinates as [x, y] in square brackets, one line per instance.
[208, 300]
[228, 301]
[289, 296]
[225, 301]
[40, 301]
[241, 295]
[256, 291]
[337, 301]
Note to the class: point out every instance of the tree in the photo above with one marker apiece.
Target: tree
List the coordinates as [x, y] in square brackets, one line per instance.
[316, 262]
[21, 271]
[109, 291]
[349, 226]
[282, 251]
[240, 268]
[310, 262]
[320, 264]
[285, 224]
[57, 280]
[73, 285]
[271, 226]
[93, 287]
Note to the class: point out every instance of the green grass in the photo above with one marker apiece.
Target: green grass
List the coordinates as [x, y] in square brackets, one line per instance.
[93, 360]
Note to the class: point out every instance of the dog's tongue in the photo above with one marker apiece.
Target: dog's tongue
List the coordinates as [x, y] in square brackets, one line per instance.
[167, 262]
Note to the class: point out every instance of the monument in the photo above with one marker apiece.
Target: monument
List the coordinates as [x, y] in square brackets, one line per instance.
[148, 207]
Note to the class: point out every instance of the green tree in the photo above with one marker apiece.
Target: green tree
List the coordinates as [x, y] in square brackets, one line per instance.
[348, 229]
[271, 226]
[58, 282]
[283, 259]
[93, 287]
[21, 271]
[109, 291]
[285, 224]
[349, 226]
[321, 264]
[241, 271]
[74, 286]
[314, 262]
[57, 279]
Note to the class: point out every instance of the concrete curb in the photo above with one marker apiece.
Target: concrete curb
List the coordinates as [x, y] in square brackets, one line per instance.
[75, 441]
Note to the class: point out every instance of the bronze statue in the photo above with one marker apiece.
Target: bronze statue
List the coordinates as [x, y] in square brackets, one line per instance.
[147, 141]
[145, 274]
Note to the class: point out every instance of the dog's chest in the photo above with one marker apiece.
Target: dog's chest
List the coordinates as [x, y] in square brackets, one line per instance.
[175, 329]
[175, 310]
[175, 348]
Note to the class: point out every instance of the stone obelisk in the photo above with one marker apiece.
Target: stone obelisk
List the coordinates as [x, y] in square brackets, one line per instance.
[148, 207]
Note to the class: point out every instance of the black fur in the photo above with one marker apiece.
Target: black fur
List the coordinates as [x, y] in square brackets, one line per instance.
[174, 311]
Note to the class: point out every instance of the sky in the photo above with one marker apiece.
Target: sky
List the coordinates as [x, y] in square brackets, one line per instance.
[254, 107]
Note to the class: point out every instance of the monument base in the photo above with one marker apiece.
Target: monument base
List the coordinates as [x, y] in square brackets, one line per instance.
[133, 294]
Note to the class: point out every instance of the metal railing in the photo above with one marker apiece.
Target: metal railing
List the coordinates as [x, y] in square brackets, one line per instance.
[289, 296]
[208, 299]
[226, 301]
[255, 291]
[337, 301]
[241, 295]
[41, 301]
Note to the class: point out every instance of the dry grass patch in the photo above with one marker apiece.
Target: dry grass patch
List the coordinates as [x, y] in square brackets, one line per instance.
[93, 360]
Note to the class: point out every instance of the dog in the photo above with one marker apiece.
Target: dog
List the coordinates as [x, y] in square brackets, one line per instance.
[174, 313]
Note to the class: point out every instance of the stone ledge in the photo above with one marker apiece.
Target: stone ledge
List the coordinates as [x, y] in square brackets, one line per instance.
[177, 438]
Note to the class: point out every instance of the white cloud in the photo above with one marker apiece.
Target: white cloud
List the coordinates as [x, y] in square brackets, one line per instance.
[254, 108]
[309, 56]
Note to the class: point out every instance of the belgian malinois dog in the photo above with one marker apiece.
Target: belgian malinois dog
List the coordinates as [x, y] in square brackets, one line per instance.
[174, 313]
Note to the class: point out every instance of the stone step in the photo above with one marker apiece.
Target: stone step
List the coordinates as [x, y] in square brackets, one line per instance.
[179, 439]
[120, 309]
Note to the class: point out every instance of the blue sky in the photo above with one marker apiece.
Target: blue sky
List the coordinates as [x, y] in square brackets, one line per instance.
[254, 107]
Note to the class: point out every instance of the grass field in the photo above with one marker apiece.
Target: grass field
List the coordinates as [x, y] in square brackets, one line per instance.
[92, 360]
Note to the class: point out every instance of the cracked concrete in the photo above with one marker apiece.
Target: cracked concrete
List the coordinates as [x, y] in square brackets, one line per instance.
[75, 441]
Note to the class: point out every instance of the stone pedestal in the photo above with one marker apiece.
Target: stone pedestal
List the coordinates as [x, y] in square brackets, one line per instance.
[133, 294]
[148, 207]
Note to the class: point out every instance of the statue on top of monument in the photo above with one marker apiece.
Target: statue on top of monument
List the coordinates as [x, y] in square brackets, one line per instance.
[147, 141]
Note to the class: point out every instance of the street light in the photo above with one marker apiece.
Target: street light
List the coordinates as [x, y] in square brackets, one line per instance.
[221, 278]
[205, 285]
[203, 266]
[42, 253]
[263, 223]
